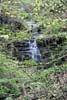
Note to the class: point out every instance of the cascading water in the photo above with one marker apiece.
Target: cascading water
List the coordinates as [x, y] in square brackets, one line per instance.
[35, 54]
[33, 49]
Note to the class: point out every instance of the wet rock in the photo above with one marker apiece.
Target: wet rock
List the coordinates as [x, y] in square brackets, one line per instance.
[50, 49]
[19, 49]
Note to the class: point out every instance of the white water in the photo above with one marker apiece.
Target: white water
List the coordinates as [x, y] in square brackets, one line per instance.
[33, 49]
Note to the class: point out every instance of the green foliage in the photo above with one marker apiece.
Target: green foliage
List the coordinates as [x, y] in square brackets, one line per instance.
[13, 88]
[10, 68]
[50, 82]
[29, 63]
[56, 26]
[22, 36]
[13, 8]
[4, 31]
[2, 90]
[23, 15]
[9, 88]
[44, 7]
[49, 14]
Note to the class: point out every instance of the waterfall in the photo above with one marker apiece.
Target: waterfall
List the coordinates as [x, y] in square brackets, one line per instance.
[35, 54]
[33, 49]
